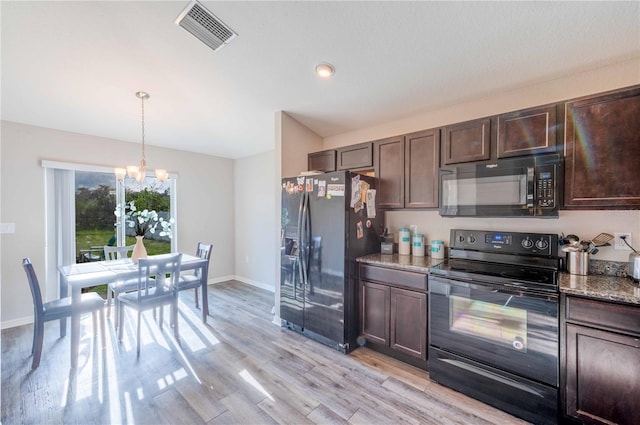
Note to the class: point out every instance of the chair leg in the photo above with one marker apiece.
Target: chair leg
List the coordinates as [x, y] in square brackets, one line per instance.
[109, 300]
[38, 330]
[116, 306]
[120, 317]
[139, 321]
[35, 338]
[174, 319]
[103, 326]
[161, 322]
[197, 306]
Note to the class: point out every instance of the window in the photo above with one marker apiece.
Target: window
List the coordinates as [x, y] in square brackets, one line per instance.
[80, 204]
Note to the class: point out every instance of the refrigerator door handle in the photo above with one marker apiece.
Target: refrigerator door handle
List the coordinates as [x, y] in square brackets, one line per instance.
[299, 236]
[307, 238]
[303, 239]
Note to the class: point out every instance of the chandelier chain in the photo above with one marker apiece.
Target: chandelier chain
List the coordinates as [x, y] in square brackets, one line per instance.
[142, 100]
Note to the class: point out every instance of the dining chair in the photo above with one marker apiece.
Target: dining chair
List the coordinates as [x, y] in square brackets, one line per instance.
[194, 281]
[112, 253]
[157, 287]
[57, 309]
[117, 252]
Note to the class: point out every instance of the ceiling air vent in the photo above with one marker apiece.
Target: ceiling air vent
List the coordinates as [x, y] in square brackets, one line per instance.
[205, 26]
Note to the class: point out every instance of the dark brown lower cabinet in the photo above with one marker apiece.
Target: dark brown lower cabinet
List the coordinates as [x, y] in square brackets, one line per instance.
[393, 317]
[602, 362]
[407, 320]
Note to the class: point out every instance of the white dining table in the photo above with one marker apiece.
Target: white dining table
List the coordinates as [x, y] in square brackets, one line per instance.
[74, 277]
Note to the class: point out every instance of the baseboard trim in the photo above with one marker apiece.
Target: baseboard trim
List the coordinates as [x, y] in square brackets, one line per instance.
[255, 283]
[17, 322]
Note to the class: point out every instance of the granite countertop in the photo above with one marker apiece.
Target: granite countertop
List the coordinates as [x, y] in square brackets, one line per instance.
[596, 286]
[402, 262]
[602, 287]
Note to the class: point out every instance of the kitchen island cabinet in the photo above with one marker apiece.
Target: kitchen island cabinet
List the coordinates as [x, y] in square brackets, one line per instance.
[393, 309]
[602, 147]
[601, 370]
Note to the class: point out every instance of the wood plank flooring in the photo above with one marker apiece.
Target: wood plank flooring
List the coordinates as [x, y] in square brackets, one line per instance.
[240, 368]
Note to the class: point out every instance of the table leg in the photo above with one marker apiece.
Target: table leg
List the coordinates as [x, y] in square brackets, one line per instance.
[64, 292]
[205, 296]
[75, 327]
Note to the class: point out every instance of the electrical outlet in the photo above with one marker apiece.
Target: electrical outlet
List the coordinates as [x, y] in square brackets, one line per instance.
[619, 243]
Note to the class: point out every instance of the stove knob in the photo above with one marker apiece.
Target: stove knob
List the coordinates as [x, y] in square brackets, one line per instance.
[461, 238]
[527, 243]
[542, 244]
[471, 239]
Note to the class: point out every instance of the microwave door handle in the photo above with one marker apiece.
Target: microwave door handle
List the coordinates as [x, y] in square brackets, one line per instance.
[530, 187]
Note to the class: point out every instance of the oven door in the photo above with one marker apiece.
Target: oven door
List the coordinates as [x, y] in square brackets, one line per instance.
[512, 330]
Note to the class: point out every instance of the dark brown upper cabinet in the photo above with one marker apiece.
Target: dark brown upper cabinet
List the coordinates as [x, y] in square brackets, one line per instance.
[526, 132]
[602, 150]
[389, 168]
[322, 161]
[407, 169]
[421, 162]
[356, 157]
[466, 141]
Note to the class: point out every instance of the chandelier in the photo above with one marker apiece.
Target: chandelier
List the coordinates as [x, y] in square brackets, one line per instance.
[139, 172]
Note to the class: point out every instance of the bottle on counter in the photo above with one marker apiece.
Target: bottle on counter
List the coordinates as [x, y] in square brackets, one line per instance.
[437, 249]
[417, 245]
[404, 241]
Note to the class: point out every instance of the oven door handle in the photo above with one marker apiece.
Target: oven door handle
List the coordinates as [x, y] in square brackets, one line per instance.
[507, 289]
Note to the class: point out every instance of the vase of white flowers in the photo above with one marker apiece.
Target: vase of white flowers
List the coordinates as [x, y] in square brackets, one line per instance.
[139, 251]
[143, 222]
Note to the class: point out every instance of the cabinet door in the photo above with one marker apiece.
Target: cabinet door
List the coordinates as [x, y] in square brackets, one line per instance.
[422, 160]
[356, 156]
[602, 145]
[526, 132]
[466, 141]
[389, 160]
[322, 161]
[603, 376]
[409, 322]
[375, 312]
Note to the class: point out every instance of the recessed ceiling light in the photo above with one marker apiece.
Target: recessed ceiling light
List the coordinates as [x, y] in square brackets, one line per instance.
[325, 70]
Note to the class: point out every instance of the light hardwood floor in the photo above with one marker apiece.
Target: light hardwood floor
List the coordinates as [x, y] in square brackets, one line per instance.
[238, 369]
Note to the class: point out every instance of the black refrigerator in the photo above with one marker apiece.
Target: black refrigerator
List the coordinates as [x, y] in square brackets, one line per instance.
[328, 220]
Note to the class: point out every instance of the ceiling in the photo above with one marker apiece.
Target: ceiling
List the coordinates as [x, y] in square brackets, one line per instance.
[76, 66]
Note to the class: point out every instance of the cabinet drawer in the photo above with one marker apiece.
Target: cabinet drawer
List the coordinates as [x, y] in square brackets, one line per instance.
[401, 278]
[604, 314]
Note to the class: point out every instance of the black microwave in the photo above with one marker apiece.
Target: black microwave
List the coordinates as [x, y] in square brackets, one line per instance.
[529, 186]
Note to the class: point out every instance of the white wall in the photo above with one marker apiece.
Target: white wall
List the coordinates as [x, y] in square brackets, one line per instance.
[255, 213]
[617, 75]
[205, 193]
[585, 224]
[297, 142]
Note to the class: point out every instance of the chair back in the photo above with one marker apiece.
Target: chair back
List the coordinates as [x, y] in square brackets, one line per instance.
[34, 285]
[204, 251]
[160, 272]
[116, 252]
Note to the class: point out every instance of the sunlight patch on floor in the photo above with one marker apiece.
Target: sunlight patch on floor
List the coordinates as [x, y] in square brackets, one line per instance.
[254, 383]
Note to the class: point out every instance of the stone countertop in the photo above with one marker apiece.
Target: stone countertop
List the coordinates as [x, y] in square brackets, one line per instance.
[595, 286]
[401, 262]
[602, 287]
